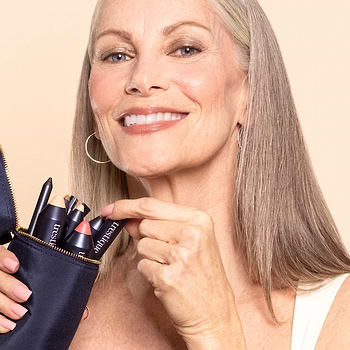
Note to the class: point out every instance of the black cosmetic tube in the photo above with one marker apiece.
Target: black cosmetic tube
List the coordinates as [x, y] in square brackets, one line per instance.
[80, 244]
[66, 201]
[72, 202]
[86, 209]
[96, 225]
[106, 235]
[41, 203]
[75, 217]
[51, 224]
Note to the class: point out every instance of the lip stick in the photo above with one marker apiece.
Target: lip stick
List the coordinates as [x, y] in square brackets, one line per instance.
[80, 241]
[106, 235]
[52, 221]
[41, 203]
[75, 217]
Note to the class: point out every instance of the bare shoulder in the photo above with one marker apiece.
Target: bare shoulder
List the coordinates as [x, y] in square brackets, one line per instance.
[335, 333]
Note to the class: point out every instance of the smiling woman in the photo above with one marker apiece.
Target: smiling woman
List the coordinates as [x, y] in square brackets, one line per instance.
[216, 69]
[230, 244]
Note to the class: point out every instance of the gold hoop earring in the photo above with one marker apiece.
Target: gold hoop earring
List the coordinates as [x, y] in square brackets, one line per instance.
[86, 314]
[88, 154]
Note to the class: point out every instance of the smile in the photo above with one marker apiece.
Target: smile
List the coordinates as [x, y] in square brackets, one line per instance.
[140, 119]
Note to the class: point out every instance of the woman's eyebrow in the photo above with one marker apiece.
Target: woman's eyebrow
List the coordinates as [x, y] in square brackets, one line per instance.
[122, 33]
[165, 31]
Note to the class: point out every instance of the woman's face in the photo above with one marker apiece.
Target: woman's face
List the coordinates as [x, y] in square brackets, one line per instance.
[154, 57]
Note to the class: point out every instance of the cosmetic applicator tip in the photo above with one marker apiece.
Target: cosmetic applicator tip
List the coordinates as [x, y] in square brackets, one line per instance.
[81, 208]
[84, 227]
[58, 201]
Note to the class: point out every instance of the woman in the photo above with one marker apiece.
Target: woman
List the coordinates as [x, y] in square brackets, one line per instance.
[228, 223]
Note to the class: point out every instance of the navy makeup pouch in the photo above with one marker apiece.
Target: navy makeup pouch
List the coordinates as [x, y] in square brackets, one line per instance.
[60, 280]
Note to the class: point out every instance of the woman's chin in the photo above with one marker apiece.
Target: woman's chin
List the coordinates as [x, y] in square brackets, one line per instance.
[147, 170]
[147, 166]
[146, 173]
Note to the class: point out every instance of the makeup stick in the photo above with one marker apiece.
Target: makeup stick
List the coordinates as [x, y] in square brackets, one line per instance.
[41, 203]
[80, 241]
[86, 209]
[72, 203]
[75, 217]
[66, 201]
[106, 235]
[52, 221]
[96, 225]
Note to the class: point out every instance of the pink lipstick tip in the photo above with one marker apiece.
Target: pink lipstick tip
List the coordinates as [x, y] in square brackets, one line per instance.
[84, 227]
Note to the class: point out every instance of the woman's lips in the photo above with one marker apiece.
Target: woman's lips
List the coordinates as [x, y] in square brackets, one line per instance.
[148, 123]
[149, 128]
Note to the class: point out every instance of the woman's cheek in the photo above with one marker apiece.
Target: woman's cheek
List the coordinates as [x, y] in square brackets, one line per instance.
[200, 82]
[104, 90]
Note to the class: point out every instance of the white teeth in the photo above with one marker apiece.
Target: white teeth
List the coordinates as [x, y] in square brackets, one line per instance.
[151, 118]
[141, 119]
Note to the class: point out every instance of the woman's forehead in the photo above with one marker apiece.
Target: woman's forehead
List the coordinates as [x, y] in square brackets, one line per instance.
[160, 13]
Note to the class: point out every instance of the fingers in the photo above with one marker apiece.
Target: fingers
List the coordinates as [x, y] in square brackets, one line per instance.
[12, 291]
[13, 288]
[167, 231]
[8, 261]
[151, 270]
[6, 325]
[85, 314]
[148, 208]
[11, 309]
[157, 251]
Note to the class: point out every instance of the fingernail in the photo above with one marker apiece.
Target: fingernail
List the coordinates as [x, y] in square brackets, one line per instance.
[107, 210]
[22, 293]
[19, 310]
[4, 322]
[11, 264]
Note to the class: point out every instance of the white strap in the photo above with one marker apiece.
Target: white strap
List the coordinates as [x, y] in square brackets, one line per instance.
[310, 312]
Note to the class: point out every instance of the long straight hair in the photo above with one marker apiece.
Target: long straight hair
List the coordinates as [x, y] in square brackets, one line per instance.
[284, 228]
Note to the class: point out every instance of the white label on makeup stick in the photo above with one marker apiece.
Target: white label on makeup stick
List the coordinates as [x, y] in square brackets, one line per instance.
[106, 237]
[54, 233]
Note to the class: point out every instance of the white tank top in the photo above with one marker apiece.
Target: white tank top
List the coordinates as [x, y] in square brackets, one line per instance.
[310, 312]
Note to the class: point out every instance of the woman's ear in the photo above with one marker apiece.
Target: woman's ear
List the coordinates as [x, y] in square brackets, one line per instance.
[243, 103]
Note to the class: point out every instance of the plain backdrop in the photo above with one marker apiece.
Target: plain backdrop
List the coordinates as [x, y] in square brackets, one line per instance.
[42, 47]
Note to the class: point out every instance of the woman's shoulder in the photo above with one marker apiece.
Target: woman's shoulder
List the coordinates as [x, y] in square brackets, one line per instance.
[335, 333]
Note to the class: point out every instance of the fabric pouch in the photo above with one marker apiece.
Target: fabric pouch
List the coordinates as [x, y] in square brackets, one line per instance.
[60, 280]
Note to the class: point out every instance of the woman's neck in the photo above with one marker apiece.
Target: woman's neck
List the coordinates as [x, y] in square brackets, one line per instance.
[209, 188]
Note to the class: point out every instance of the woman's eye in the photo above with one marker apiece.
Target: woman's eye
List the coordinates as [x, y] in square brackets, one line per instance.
[187, 51]
[117, 57]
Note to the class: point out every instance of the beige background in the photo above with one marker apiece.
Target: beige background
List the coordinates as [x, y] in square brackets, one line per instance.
[42, 45]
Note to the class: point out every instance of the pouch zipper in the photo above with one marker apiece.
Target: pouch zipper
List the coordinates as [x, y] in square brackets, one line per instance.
[8, 176]
[22, 232]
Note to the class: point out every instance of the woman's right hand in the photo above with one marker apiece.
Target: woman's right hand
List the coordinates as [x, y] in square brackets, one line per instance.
[12, 292]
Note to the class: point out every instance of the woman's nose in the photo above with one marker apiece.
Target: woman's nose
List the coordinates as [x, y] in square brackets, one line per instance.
[146, 79]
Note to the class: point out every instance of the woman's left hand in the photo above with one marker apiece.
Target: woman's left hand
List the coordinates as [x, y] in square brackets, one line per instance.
[181, 260]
